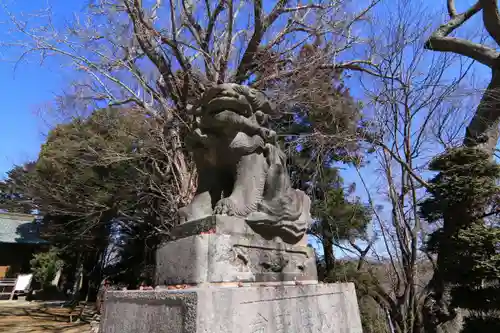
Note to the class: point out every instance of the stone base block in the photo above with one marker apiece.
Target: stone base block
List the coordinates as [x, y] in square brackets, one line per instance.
[319, 308]
[231, 252]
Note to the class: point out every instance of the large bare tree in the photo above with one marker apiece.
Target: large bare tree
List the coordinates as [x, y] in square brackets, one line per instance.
[161, 55]
[412, 104]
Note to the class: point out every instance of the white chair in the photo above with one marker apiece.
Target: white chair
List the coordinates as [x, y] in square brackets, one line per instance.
[22, 285]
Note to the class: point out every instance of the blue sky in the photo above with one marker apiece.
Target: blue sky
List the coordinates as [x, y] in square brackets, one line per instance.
[24, 91]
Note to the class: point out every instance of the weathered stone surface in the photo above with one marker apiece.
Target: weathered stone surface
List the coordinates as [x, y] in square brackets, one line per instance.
[223, 224]
[320, 308]
[216, 258]
[241, 169]
[151, 312]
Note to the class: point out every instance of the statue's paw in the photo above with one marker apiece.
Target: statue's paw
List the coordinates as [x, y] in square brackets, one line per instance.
[225, 206]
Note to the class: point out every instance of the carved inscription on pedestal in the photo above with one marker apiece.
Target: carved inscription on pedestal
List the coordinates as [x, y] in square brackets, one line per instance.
[299, 314]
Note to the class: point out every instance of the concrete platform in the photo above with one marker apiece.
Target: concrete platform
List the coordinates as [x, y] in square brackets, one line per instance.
[316, 308]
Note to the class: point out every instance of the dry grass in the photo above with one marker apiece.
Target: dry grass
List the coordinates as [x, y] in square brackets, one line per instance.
[35, 319]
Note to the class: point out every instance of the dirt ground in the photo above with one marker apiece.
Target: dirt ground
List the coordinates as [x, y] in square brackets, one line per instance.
[28, 318]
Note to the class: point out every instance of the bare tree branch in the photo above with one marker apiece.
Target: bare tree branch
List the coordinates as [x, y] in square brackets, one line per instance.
[251, 50]
[491, 18]
[452, 10]
[440, 40]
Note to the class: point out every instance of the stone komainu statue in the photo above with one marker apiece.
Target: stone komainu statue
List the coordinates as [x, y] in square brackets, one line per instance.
[241, 170]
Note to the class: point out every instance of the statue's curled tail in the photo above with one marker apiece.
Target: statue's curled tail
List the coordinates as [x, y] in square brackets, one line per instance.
[283, 210]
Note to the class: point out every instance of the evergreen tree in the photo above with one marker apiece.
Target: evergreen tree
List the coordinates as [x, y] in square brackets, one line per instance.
[337, 218]
[14, 195]
[466, 243]
[318, 124]
[93, 173]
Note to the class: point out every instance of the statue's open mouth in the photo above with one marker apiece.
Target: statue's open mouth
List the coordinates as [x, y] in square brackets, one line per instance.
[224, 103]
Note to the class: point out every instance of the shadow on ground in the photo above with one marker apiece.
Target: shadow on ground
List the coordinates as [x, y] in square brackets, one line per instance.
[37, 319]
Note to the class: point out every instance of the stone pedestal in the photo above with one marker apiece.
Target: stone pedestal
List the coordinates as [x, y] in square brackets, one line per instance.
[236, 281]
[224, 249]
[320, 308]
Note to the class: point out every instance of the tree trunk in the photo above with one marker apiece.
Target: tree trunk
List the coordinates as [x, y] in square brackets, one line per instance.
[94, 275]
[327, 244]
[482, 131]
[78, 276]
[183, 175]
[439, 316]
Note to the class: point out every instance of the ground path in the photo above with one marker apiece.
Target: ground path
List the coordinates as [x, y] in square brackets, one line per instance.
[25, 317]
